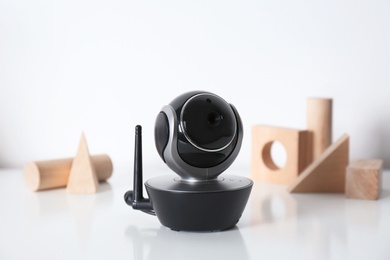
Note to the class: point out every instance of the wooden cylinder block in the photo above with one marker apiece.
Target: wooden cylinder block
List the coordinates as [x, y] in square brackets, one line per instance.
[52, 174]
[319, 125]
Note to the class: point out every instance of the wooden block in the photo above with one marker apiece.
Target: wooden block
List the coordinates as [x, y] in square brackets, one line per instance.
[82, 178]
[51, 174]
[262, 166]
[319, 125]
[364, 179]
[327, 173]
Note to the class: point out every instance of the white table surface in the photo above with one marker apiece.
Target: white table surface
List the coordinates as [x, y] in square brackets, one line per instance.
[275, 225]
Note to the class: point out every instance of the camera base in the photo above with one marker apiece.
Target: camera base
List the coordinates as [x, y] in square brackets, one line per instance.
[214, 205]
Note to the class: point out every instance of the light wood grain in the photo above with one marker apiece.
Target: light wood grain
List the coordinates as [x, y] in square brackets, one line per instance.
[262, 165]
[319, 125]
[327, 173]
[364, 179]
[52, 174]
[82, 178]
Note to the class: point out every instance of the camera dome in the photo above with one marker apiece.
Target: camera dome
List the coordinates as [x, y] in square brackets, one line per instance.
[198, 135]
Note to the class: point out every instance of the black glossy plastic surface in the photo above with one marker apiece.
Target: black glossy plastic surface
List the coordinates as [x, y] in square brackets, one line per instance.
[208, 122]
[207, 206]
[179, 101]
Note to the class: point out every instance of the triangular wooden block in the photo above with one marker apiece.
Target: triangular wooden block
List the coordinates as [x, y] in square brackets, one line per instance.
[327, 173]
[82, 178]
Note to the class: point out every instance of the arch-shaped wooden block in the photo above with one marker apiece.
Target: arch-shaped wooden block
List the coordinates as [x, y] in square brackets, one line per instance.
[295, 143]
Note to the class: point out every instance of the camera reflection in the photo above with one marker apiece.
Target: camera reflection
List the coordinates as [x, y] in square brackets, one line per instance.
[164, 243]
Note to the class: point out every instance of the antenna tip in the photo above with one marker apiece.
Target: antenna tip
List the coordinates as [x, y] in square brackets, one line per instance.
[138, 129]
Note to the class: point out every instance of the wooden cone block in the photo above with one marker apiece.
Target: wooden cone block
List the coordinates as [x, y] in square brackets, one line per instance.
[364, 179]
[82, 178]
[327, 173]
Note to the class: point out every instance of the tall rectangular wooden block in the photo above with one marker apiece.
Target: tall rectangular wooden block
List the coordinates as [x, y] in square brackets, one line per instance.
[364, 179]
[263, 167]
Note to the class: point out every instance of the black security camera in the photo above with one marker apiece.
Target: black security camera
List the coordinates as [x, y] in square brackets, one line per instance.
[198, 135]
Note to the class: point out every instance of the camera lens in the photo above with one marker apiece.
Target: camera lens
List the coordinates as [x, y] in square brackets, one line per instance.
[208, 122]
[214, 118]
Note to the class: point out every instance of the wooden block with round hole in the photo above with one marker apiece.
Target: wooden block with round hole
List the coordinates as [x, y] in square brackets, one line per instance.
[364, 179]
[295, 143]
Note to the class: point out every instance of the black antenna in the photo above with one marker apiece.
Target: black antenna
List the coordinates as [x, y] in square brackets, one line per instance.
[134, 197]
[137, 184]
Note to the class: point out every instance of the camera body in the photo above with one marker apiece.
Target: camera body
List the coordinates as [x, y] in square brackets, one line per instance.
[198, 135]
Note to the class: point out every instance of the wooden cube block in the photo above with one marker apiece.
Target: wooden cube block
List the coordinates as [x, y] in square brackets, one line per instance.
[295, 143]
[364, 179]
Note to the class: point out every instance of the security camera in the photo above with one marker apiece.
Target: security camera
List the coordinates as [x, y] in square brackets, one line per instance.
[198, 135]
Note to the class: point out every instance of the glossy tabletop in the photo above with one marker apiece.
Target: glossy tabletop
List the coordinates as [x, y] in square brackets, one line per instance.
[275, 225]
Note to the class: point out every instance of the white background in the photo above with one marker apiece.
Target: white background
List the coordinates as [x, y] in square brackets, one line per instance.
[105, 66]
